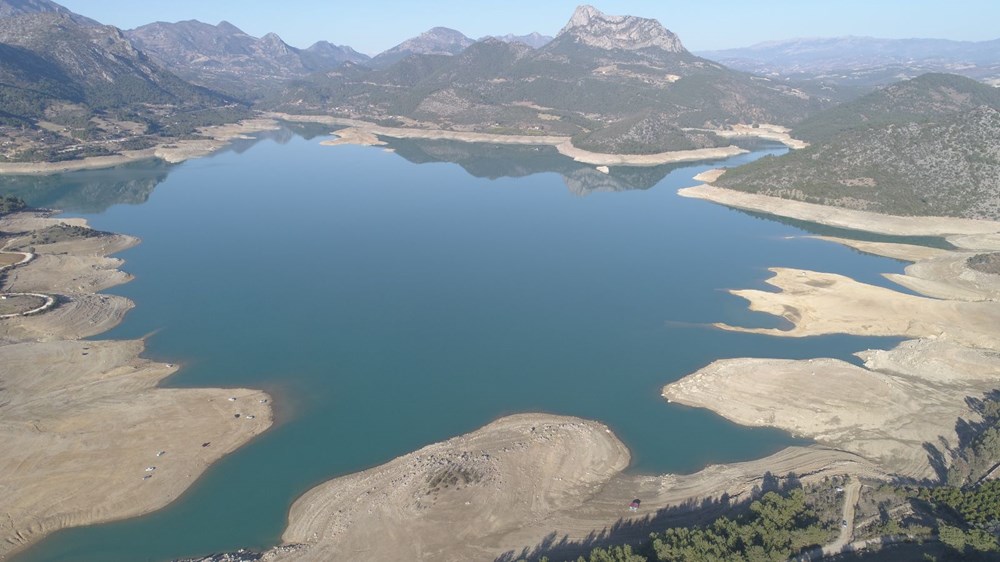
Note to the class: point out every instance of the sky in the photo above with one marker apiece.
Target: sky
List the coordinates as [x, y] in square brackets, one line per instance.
[372, 26]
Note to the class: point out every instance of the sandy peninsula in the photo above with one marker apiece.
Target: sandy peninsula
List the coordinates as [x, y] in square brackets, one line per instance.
[215, 138]
[900, 409]
[524, 485]
[87, 434]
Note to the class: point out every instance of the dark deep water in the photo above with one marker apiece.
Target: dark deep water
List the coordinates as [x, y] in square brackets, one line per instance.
[391, 300]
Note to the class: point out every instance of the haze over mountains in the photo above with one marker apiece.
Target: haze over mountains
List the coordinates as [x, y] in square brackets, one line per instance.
[865, 61]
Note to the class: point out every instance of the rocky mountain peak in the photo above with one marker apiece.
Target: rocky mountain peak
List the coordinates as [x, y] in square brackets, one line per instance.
[596, 29]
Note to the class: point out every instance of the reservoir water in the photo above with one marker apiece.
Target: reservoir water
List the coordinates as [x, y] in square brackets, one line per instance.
[393, 299]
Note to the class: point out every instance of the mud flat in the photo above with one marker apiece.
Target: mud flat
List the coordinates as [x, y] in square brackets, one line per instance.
[87, 434]
[216, 137]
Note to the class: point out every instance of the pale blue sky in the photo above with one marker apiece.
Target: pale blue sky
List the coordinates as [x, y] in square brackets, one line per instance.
[371, 26]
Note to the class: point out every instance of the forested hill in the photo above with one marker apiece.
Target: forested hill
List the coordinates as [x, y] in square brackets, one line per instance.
[927, 147]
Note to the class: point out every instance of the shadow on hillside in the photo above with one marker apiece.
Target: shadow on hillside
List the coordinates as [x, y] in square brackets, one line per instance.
[637, 530]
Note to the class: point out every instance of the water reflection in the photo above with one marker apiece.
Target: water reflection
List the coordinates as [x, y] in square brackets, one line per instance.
[94, 191]
[89, 191]
[495, 161]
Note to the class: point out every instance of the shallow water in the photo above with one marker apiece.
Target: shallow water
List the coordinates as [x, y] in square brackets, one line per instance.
[391, 300]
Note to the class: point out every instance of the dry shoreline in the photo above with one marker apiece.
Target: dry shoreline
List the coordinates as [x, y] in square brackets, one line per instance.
[872, 421]
[505, 488]
[522, 483]
[366, 134]
[84, 421]
[903, 401]
[172, 152]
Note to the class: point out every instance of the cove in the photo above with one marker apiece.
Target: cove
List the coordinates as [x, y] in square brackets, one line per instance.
[393, 299]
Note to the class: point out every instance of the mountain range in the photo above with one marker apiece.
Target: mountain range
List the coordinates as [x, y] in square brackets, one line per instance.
[71, 88]
[621, 84]
[864, 62]
[599, 71]
[227, 59]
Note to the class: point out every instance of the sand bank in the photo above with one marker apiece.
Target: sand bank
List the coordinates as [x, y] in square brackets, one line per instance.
[825, 303]
[83, 422]
[599, 159]
[171, 151]
[514, 484]
[356, 136]
[901, 409]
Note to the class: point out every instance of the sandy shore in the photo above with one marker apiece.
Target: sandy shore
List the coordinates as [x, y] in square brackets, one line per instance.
[175, 151]
[83, 422]
[363, 133]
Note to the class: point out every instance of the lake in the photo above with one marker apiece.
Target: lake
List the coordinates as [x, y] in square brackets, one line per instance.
[389, 300]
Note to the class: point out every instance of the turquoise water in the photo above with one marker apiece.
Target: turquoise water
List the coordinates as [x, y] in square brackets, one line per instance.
[391, 300]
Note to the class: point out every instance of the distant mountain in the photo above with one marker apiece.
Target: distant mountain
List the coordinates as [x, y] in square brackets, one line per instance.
[603, 80]
[436, 41]
[927, 146]
[92, 64]
[225, 58]
[323, 55]
[79, 89]
[534, 40]
[865, 61]
[13, 8]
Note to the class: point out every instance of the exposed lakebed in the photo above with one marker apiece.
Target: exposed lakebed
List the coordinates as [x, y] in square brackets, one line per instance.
[387, 305]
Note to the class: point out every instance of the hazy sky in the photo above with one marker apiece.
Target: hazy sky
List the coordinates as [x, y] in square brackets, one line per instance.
[371, 26]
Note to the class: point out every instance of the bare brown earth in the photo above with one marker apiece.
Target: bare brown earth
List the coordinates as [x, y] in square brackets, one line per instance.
[82, 421]
[216, 137]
